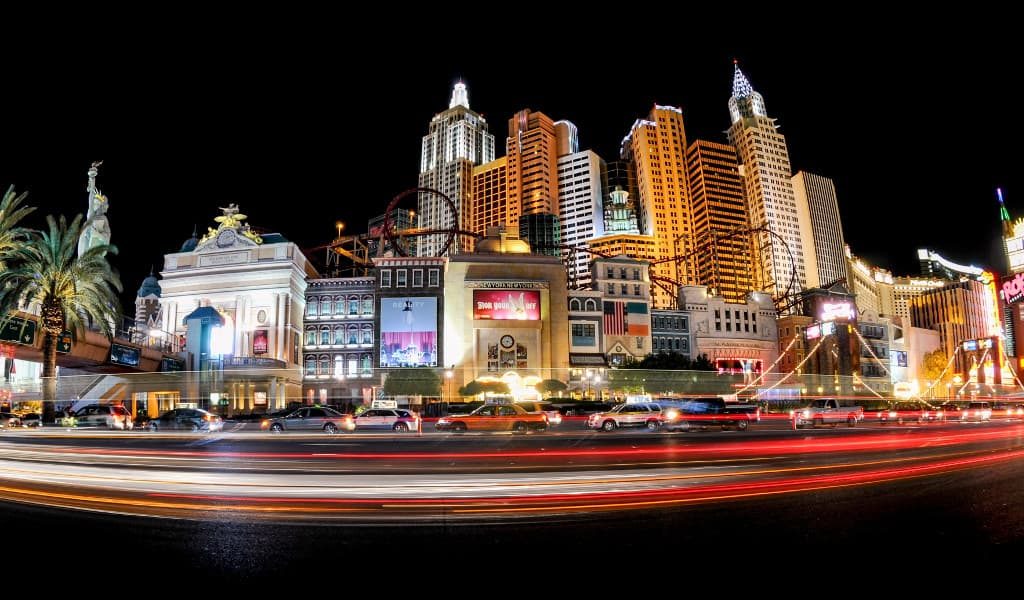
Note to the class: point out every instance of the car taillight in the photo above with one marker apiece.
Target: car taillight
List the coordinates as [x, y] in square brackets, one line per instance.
[207, 418]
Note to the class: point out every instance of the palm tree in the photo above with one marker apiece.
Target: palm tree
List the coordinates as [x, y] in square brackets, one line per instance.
[70, 290]
[11, 212]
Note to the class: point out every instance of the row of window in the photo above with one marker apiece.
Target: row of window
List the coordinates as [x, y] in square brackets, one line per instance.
[624, 288]
[728, 326]
[402, 278]
[338, 305]
[355, 335]
[339, 365]
[667, 344]
[677, 323]
[622, 273]
[589, 304]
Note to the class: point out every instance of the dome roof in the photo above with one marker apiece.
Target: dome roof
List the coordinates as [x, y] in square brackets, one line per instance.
[150, 287]
[498, 243]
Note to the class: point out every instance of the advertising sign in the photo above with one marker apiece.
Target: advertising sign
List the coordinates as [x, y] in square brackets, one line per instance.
[837, 310]
[259, 341]
[512, 305]
[1013, 289]
[408, 332]
[19, 331]
[259, 398]
[124, 355]
[64, 343]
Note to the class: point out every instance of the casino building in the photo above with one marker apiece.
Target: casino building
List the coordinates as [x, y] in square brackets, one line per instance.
[506, 312]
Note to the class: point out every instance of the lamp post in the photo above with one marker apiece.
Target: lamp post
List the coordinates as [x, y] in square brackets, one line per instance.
[449, 375]
[597, 385]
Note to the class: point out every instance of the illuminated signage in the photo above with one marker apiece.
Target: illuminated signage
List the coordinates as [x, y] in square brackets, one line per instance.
[259, 341]
[259, 398]
[813, 332]
[124, 355]
[408, 332]
[1013, 289]
[837, 310]
[513, 305]
[816, 331]
[971, 345]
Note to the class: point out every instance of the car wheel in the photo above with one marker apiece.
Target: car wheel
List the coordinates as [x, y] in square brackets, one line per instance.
[609, 425]
[742, 425]
[330, 428]
[401, 427]
[194, 428]
[277, 428]
[153, 427]
[899, 420]
[653, 425]
[851, 421]
[459, 427]
[519, 427]
[818, 422]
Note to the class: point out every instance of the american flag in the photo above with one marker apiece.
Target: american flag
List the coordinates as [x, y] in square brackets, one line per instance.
[614, 318]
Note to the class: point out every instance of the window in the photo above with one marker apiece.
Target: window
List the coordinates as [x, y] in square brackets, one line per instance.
[417, 278]
[718, 314]
[311, 365]
[339, 305]
[353, 305]
[624, 289]
[311, 307]
[728, 325]
[365, 368]
[367, 334]
[311, 336]
[385, 278]
[325, 336]
[325, 365]
[591, 304]
[639, 343]
[353, 365]
[574, 304]
[434, 278]
[339, 335]
[339, 366]
[367, 305]
[718, 325]
[400, 280]
[325, 307]
[737, 315]
[686, 324]
[636, 289]
[611, 273]
[685, 345]
[611, 288]
[636, 274]
[622, 272]
[353, 334]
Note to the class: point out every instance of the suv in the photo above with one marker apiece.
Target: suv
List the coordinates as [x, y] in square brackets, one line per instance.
[104, 415]
[627, 415]
[395, 419]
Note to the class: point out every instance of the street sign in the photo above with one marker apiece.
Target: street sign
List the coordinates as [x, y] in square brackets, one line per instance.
[19, 331]
[64, 343]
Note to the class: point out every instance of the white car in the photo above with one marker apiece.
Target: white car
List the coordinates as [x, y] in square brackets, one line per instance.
[104, 415]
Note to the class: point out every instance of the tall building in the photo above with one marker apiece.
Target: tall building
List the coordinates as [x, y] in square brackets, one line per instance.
[823, 241]
[580, 207]
[458, 140]
[543, 232]
[717, 207]
[532, 153]
[959, 311]
[770, 199]
[644, 247]
[491, 207]
[657, 147]
[620, 213]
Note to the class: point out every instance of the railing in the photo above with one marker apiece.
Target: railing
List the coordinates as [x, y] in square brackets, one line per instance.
[252, 362]
[128, 330]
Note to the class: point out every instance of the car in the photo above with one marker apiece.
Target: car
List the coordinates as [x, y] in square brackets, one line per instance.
[952, 411]
[310, 418]
[188, 419]
[640, 414]
[581, 408]
[494, 417]
[104, 415]
[9, 420]
[393, 419]
[554, 416]
[977, 411]
[1008, 410]
[31, 420]
[918, 411]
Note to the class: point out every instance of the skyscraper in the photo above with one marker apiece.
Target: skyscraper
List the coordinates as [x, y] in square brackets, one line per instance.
[491, 207]
[823, 240]
[532, 152]
[718, 207]
[657, 147]
[769, 189]
[580, 192]
[542, 231]
[458, 140]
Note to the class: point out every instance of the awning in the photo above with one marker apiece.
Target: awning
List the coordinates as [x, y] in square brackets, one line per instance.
[587, 360]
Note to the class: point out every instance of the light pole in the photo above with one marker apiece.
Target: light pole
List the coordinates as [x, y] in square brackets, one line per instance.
[449, 375]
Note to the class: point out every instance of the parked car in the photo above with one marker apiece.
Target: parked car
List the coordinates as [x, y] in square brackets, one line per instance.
[827, 410]
[394, 419]
[104, 415]
[311, 418]
[1007, 410]
[188, 419]
[495, 417]
[977, 411]
[31, 420]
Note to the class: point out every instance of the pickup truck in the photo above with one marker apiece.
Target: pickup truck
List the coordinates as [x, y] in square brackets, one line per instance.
[707, 412]
[827, 410]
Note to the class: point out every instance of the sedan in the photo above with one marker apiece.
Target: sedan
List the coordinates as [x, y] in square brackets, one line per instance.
[188, 419]
[310, 418]
[494, 417]
[9, 420]
[394, 419]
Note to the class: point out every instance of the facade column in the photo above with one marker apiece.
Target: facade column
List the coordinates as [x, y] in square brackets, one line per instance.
[281, 329]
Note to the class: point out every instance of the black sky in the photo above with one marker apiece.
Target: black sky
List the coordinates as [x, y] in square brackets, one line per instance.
[917, 127]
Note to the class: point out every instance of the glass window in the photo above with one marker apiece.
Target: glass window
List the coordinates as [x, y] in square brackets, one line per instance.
[636, 289]
[311, 307]
[325, 336]
[639, 343]
[574, 304]
[434, 278]
[310, 336]
[636, 274]
[367, 334]
[622, 272]
[611, 273]
[353, 305]
[339, 305]
[590, 304]
[624, 289]
[339, 335]
[310, 365]
[353, 334]
[366, 367]
[401, 277]
[367, 305]
[385, 278]
[353, 365]
[325, 365]
[611, 288]
[339, 366]
[718, 325]
[417, 278]
[325, 306]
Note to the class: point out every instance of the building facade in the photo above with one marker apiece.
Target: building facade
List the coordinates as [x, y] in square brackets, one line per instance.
[737, 338]
[657, 148]
[580, 208]
[458, 141]
[543, 232]
[531, 150]
[626, 307]
[670, 332]
[768, 182]
[823, 243]
[339, 341]
[491, 206]
[959, 311]
[718, 206]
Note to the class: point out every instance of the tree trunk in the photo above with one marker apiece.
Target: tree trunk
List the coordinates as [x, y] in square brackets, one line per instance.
[49, 375]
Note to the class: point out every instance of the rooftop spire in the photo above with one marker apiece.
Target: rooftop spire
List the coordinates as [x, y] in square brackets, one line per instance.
[741, 87]
[460, 97]
[1004, 215]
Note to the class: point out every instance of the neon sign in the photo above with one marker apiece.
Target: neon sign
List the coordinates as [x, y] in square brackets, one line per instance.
[1013, 289]
[837, 310]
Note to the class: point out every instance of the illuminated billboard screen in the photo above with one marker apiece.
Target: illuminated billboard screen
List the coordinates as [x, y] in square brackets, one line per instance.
[508, 305]
[1013, 289]
[408, 332]
[124, 355]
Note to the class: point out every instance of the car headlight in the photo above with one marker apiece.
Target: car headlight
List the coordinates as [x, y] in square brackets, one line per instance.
[892, 414]
[671, 415]
[807, 414]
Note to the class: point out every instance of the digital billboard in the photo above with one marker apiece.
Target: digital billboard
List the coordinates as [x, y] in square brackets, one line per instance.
[408, 332]
[259, 342]
[124, 355]
[508, 305]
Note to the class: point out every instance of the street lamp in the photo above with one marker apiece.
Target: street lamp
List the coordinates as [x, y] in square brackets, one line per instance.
[339, 225]
[597, 385]
[449, 375]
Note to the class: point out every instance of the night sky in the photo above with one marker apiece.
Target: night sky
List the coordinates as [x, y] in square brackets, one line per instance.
[917, 132]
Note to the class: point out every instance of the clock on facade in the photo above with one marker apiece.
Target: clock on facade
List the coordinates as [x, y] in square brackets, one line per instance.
[507, 341]
[227, 238]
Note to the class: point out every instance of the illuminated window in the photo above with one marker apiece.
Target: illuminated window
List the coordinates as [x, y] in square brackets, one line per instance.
[311, 336]
[401, 278]
[385, 278]
[310, 365]
[311, 307]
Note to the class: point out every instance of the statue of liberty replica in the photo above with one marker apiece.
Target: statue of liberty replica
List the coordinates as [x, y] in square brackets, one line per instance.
[97, 229]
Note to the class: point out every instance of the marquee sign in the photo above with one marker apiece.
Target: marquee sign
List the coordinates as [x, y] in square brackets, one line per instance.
[1013, 289]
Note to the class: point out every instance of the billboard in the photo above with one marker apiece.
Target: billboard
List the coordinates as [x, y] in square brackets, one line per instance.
[408, 332]
[124, 355]
[259, 342]
[508, 305]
